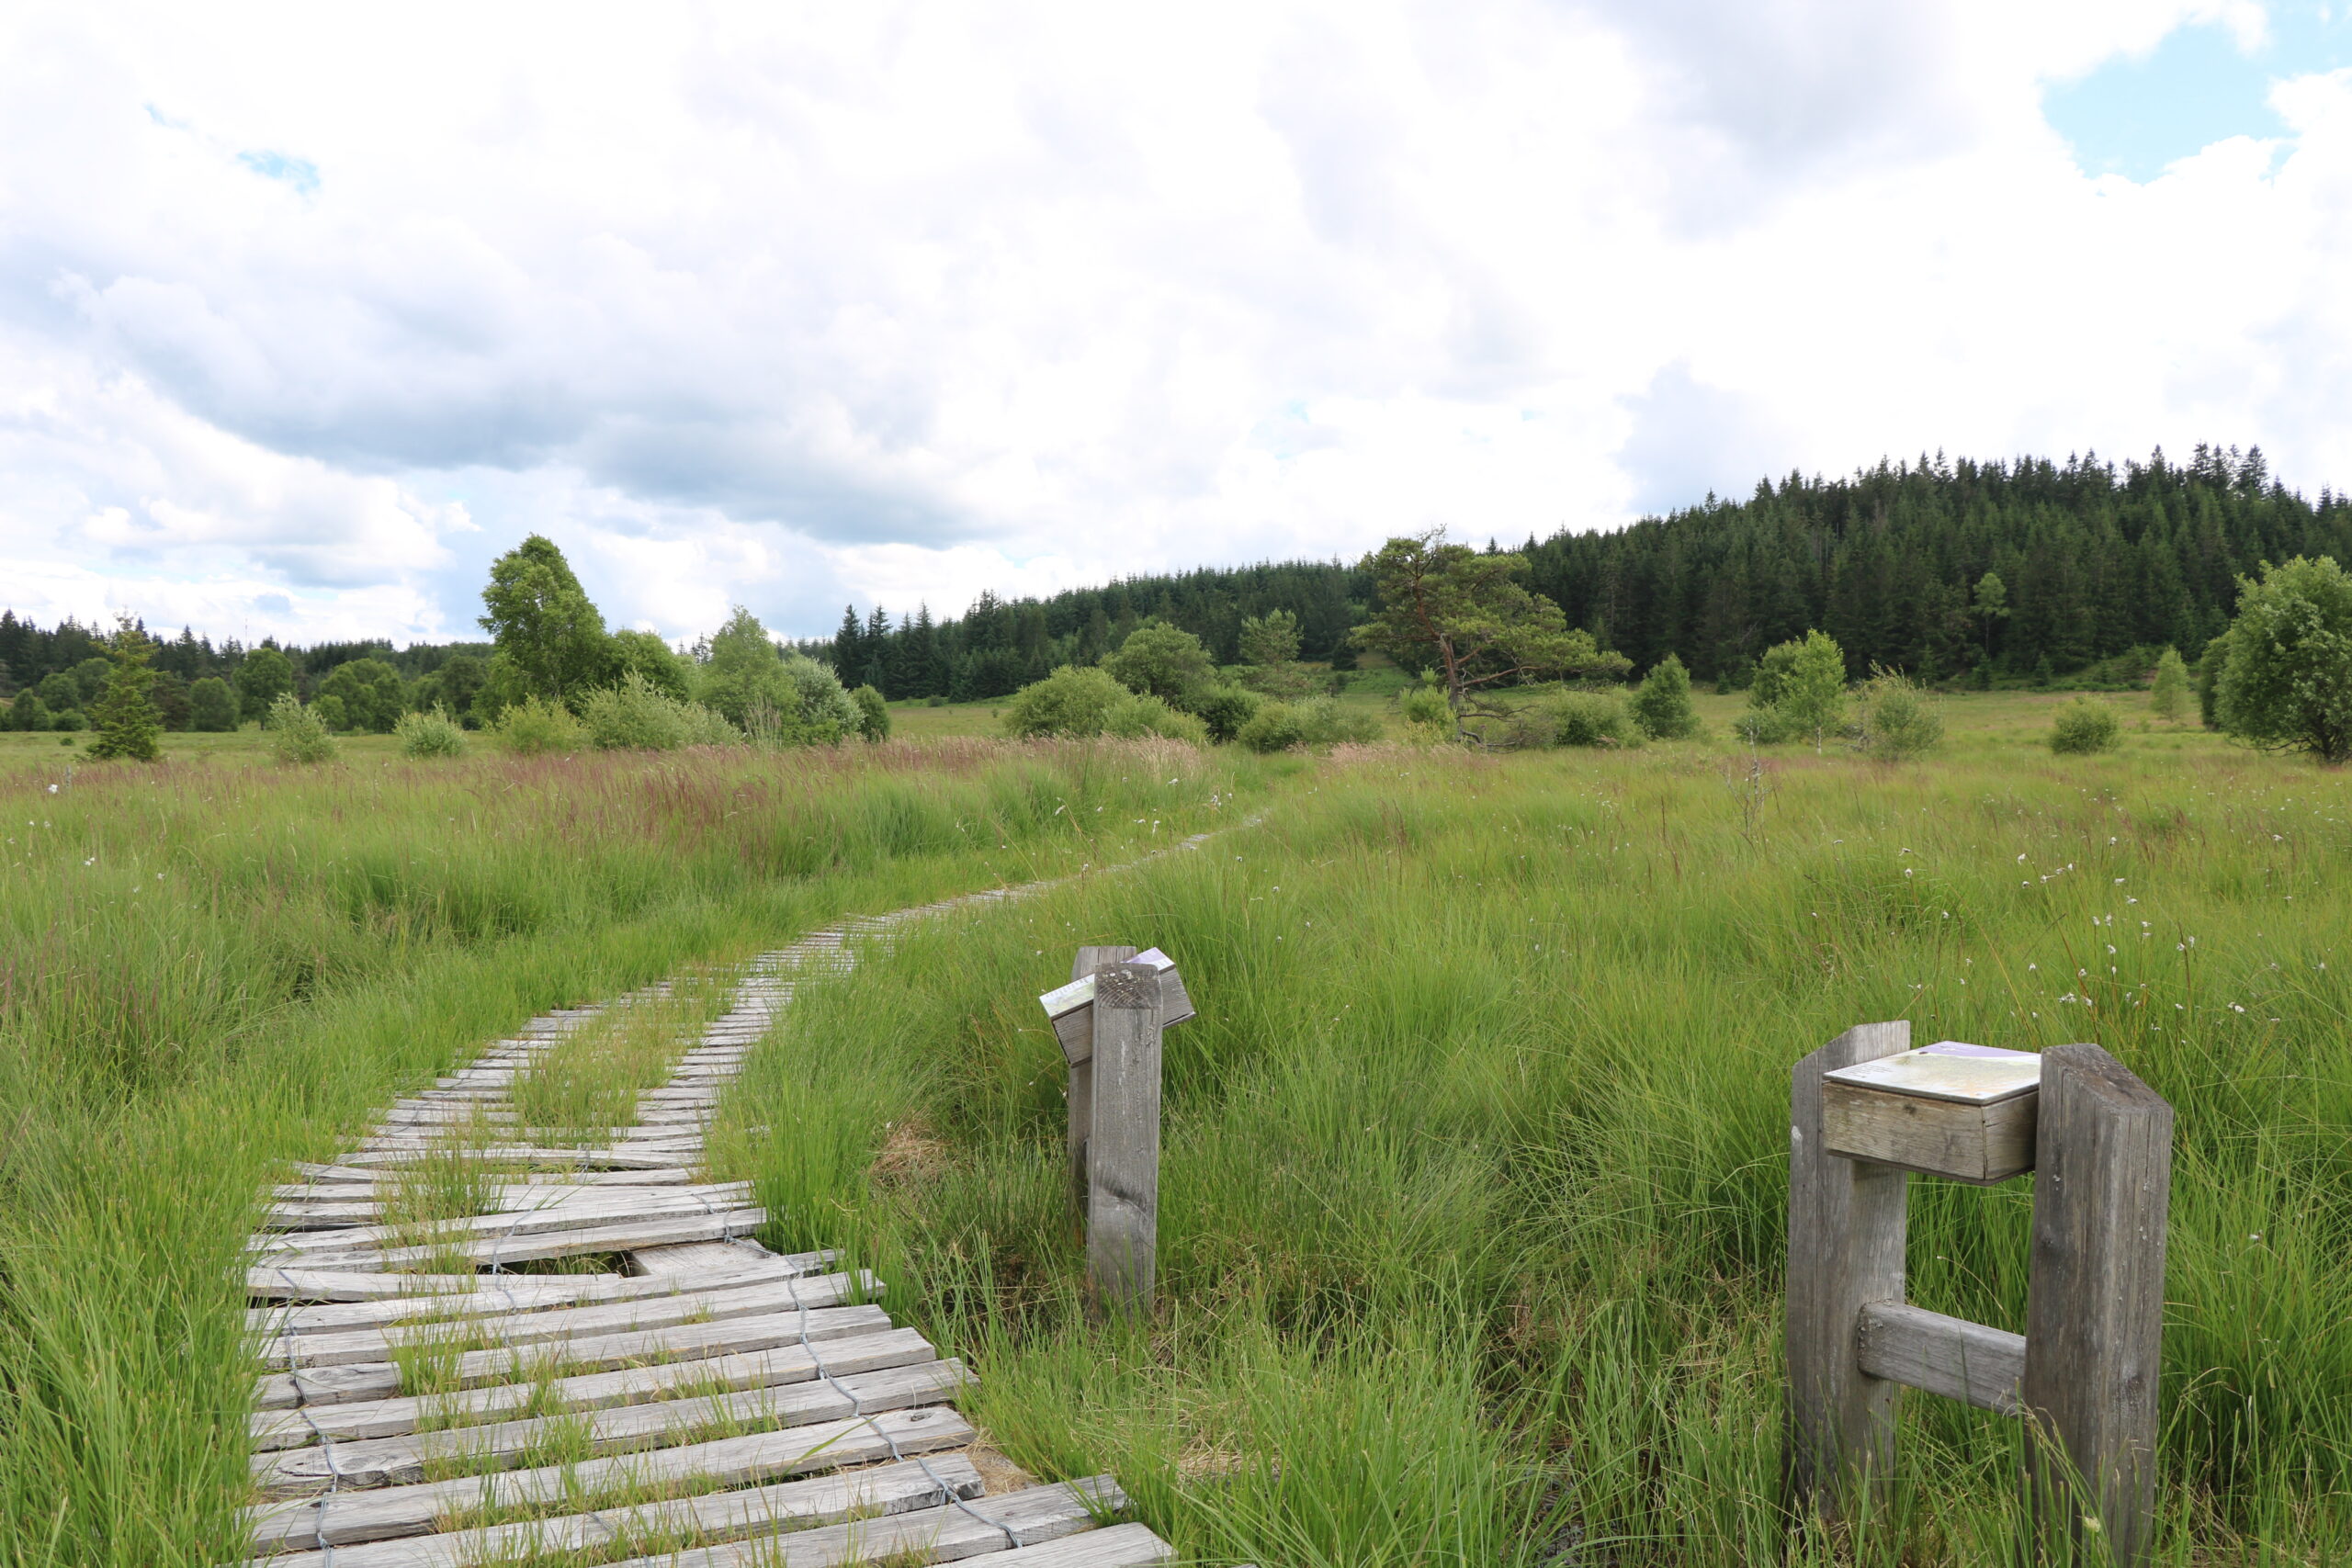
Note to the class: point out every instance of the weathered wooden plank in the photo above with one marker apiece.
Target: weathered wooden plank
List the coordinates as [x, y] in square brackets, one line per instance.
[532, 1245]
[341, 1518]
[384, 1417]
[1981, 1144]
[604, 1197]
[597, 1206]
[487, 1295]
[349, 1185]
[2095, 1314]
[1847, 1227]
[517, 1153]
[402, 1459]
[1123, 1152]
[1116, 1546]
[713, 1516]
[711, 1304]
[695, 1257]
[1950, 1355]
[1035, 1516]
[474, 1369]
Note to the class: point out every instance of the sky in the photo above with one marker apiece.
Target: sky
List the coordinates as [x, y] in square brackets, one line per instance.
[308, 312]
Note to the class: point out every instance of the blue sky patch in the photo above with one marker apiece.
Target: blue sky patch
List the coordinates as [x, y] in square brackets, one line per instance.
[2133, 116]
[299, 173]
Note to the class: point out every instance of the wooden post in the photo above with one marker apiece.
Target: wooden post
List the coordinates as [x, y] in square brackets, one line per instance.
[1081, 1079]
[2094, 1310]
[1846, 1221]
[1122, 1155]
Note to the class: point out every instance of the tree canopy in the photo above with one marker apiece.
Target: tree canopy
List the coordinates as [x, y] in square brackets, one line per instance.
[2286, 681]
[551, 637]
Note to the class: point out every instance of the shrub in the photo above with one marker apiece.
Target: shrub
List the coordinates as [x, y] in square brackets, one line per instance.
[295, 733]
[1898, 722]
[1662, 704]
[635, 715]
[2085, 726]
[68, 719]
[2168, 692]
[779, 698]
[211, 706]
[29, 712]
[331, 711]
[371, 693]
[1318, 721]
[1140, 717]
[1429, 717]
[872, 713]
[1804, 682]
[1761, 727]
[1073, 701]
[1589, 718]
[434, 734]
[1223, 709]
[537, 725]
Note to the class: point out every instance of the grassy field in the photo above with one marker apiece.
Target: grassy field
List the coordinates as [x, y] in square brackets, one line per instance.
[1476, 1159]
[1475, 1175]
[212, 966]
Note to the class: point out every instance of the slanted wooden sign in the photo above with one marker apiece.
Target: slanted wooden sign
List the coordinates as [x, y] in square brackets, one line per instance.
[1964, 1112]
[1070, 1009]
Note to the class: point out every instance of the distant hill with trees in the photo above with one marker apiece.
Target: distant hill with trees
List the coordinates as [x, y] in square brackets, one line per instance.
[1947, 568]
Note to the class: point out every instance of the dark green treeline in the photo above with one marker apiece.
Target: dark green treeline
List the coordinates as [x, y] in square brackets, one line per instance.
[2093, 561]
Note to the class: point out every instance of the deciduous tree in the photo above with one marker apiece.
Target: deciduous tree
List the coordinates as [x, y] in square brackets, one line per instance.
[2287, 674]
[543, 622]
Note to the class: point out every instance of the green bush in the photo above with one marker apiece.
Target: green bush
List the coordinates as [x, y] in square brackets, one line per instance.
[2085, 725]
[639, 716]
[874, 714]
[1429, 717]
[29, 712]
[1318, 721]
[68, 719]
[2168, 692]
[211, 706]
[1898, 722]
[1587, 718]
[1223, 709]
[1661, 707]
[296, 734]
[1140, 717]
[1071, 702]
[538, 725]
[1160, 660]
[434, 734]
[1761, 727]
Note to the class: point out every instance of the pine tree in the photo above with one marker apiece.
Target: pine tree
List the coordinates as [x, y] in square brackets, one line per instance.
[127, 722]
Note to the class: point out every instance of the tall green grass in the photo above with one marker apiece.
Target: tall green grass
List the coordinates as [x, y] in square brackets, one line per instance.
[207, 970]
[1475, 1175]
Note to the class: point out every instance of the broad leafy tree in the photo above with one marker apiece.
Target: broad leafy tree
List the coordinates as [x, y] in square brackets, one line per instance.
[263, 677]
[371, 693]
[547, 630]
[2286, 681]
[211, 706]
[1160, 661]
[1467, 615]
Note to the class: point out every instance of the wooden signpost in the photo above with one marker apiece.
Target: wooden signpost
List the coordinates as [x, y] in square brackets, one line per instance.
[1865, 1111]
[1109, 1020]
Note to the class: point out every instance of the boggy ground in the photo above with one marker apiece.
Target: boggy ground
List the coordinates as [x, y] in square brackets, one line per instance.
[1476, 1158]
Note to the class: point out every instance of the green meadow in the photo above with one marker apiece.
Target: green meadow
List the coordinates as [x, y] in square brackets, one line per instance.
[214, 966]
[1474, 1159]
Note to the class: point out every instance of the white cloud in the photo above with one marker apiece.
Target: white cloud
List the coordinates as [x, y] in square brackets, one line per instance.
[793, 306]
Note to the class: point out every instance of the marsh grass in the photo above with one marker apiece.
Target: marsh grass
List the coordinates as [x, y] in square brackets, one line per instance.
[1474, 1164]
[207, 969]
[576, 1092]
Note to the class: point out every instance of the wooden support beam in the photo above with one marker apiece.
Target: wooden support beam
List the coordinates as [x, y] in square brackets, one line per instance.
[1846, 1234]
[1123, 1154]
[1081, 1077]
[1950, 1355]
[2095, 1316]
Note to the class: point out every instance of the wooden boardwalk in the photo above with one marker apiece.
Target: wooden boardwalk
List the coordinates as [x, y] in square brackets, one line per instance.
[448, 1400]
